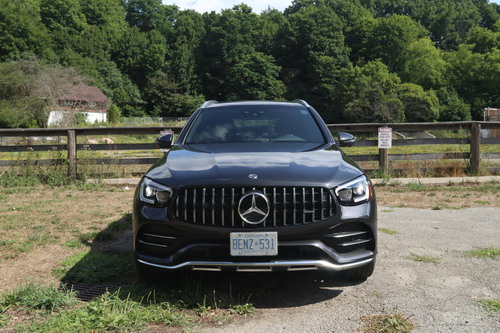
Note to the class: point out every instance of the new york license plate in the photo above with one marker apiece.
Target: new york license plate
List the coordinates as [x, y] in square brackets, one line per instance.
[254, 243]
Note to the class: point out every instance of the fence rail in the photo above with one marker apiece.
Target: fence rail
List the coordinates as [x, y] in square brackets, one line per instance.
[68, 141]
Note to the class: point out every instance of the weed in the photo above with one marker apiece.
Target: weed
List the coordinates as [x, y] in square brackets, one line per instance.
[94, 267]
[242, 309]
[387, 210]
[37, 297]
[416, 187]
[387, 323]
[491, 305]
[388, 231]
[110, 312]
[489, 252]
[426, 259]
[73, 244]
[436, 208]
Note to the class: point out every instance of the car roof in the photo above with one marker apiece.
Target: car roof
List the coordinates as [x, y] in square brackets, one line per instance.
[215, 104]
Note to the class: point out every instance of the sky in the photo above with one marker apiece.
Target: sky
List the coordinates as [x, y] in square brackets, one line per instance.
[258, 6]
[202, 6]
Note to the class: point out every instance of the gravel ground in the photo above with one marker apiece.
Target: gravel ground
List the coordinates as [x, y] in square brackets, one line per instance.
[437, 297]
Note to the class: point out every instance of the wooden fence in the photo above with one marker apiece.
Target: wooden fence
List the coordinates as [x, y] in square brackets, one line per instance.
[29, 140]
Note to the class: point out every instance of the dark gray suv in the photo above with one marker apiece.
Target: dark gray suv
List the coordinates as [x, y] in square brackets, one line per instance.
[255, 186]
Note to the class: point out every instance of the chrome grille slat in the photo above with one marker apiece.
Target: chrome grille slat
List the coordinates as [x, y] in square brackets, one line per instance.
[213, 206]
[222, 204]
[304, 205]
[194, 204]
[290, 205]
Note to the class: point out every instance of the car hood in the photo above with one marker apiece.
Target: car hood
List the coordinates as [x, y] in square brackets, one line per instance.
[319, 168]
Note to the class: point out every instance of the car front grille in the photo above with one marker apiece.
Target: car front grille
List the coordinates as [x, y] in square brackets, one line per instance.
[218, 206]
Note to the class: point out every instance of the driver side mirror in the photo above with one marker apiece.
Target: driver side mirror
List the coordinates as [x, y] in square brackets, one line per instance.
[346, 139]
[164, 141]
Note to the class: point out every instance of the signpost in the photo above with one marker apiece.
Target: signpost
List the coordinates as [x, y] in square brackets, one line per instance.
[385, 137]
[384, 143]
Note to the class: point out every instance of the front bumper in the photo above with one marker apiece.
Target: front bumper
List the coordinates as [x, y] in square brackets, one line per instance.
[344, 241]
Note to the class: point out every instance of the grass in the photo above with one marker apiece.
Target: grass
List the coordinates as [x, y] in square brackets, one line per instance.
[387, 323]
[491, 305]
[388, 231]
[94, 267]
[489, 252]
[37, 297]
[425, 259]
[111, 312]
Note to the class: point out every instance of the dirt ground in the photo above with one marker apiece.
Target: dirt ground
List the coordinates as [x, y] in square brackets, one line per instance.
[39, 227]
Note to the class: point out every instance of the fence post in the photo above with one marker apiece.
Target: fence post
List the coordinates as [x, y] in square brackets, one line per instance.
[475, 147]
[71, 154]
[383, 159]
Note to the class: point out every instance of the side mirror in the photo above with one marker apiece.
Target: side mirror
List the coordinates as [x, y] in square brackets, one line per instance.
[164, 141]
[346, 139]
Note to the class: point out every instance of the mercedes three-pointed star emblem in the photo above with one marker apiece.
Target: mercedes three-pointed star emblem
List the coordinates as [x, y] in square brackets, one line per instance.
[253, 207]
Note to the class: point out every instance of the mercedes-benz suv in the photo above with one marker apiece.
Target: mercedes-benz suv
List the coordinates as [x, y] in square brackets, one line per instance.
[255, 186]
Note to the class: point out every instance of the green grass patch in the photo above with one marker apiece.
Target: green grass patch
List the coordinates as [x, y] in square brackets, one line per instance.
[111, 312]
[491, 305]
[387, 323]
[488, 252]
[388, 231]
[94, 267]
[37, 297]
[426, 259]
[4, 318]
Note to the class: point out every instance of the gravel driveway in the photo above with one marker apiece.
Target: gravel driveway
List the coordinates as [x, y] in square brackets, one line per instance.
[438, 297]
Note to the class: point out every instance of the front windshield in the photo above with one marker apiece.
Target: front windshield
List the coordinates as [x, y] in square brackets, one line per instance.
[255, 123]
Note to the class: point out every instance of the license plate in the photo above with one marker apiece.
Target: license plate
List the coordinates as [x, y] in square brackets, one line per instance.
[254, 243]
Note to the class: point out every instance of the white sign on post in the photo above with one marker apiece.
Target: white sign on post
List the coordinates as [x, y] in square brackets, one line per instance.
[385, 137]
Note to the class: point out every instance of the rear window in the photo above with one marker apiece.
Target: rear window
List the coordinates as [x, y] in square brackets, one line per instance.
[254, 123]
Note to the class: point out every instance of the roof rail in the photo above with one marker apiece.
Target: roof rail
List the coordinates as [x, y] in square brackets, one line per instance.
[207, 103]
[301, 101]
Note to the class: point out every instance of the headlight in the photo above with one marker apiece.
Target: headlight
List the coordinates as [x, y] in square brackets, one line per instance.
[154, 193]
[354, 192]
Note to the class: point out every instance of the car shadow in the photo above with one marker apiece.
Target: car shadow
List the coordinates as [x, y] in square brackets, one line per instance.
[108, 265]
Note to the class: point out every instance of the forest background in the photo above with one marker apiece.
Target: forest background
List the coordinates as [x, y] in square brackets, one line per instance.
[353, 60]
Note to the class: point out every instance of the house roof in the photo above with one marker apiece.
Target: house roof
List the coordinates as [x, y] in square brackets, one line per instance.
[83, 92]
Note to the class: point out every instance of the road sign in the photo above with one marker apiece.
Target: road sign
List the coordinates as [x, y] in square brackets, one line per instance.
[385, 137]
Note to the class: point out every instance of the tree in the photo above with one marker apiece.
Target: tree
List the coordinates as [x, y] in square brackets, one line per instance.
[484, 39]
[419, 105]
[22, 32]
[229, 64]
[370, 94]
[311, 50]
[452, 107]
[150, 15]
[388, 37]
[62, 15]
[166, 99]
[475, 77]
[31, 89]
[423, 64]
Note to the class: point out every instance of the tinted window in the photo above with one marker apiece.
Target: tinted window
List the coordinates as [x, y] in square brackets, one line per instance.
[254, 123]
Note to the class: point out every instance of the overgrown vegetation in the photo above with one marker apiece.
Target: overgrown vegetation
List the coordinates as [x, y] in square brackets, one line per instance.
[489, 252]
[426, 259]
[491, 305]
[387, 323]
[353, 60]
[38, 297]
[388, 231]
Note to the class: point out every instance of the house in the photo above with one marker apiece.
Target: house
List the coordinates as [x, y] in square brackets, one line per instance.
[491, 114]
[88, 101]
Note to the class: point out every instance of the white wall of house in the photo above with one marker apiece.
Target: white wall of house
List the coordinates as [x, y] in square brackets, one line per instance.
[55, 117]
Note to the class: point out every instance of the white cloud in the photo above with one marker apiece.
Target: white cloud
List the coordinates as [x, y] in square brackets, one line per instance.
[202, 6]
